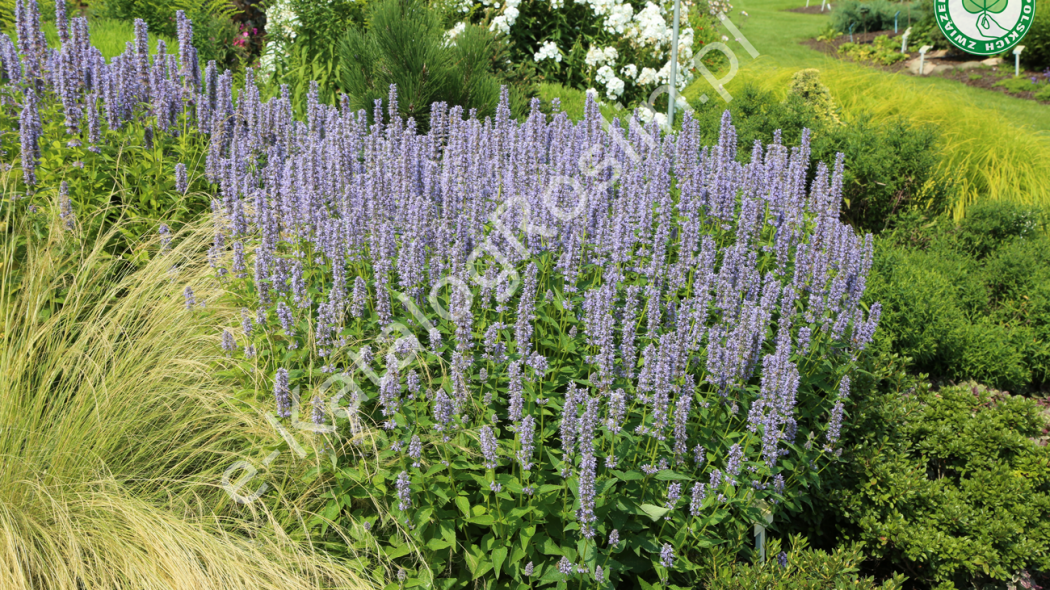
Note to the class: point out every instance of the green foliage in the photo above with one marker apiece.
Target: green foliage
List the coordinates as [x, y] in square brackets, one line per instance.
[1043, 94]
[882, 50]
[802, 569]
[306, 49]
[806, 85]
[988, 226]
[870, 15]
[213, 33]
[951, 486]
[124, 180]
[968, 302]
[829, 34]
[1036, 54]
[1018, 85]
[405, 46]
[890, 166]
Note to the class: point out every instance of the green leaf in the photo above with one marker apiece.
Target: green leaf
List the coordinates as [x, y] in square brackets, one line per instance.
[438, 544]
[395, 552]
[654, 512]
[498, 557]
[483, 520]
[548, 546]
[668, 475]
[464, 505]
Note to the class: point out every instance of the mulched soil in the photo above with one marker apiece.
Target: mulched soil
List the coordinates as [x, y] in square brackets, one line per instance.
[832, 48]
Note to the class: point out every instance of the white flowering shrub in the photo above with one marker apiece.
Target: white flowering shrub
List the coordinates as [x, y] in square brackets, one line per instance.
[621, 50]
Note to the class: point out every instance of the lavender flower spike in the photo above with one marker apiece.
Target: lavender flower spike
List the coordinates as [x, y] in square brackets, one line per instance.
[181, 181]
[190, 299]
[525, 434]
[489, 446]
[281, 394]
[404, 493]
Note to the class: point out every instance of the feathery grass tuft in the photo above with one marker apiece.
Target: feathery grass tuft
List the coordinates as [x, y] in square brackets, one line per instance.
[116, 431]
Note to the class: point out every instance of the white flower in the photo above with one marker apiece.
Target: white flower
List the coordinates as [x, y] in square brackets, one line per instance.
[557, 4]
[451, 34]
[650, 26]
[501, 24]
[647, 76]
[629, 70]
[593, 93]
[594, 57]
[619, 19]
[614, 87]
[610, 54]
[549, 50]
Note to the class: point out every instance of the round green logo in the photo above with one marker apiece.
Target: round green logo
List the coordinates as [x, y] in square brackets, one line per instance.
[984, 27]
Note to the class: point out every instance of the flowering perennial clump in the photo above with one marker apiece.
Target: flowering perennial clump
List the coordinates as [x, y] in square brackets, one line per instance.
[606, 315]
[572, 325]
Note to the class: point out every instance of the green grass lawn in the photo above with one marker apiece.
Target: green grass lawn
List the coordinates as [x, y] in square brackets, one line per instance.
[776, 34]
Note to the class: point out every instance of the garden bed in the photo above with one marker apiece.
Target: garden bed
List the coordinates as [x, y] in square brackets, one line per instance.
[832, 48]
[989, 74]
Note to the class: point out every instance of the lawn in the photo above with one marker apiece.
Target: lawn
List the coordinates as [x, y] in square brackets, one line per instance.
[777, 33]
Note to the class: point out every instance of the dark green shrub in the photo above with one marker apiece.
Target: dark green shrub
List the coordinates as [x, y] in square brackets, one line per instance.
[920, 307]
[952, 486]
[870, 15]
[969, 301]
[1036, 54]
[989, 224]
[890, 168]
[405, 46]
[988, 351]
[800, 568]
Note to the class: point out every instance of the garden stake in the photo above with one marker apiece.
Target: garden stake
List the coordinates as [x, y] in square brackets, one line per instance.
[904, 41]
[895, 22]
[922, 58]
[1017, 60]
[851, 25]
[674, 66]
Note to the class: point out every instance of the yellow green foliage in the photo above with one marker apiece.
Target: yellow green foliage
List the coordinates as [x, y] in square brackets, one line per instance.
[883, 51]
[806, 85]
[117, 430]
